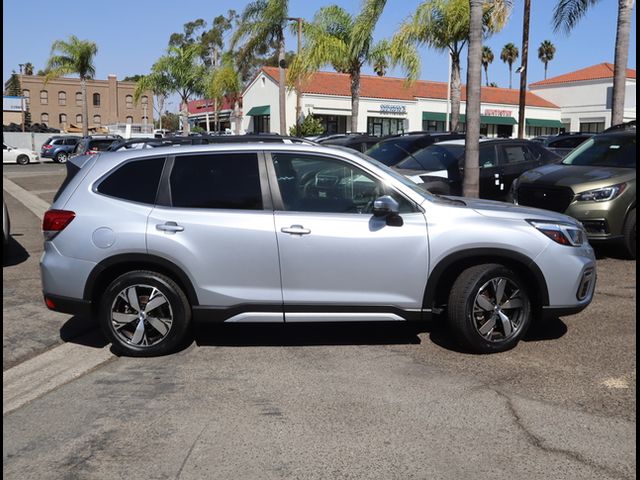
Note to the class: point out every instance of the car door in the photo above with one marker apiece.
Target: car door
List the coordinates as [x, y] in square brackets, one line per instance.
[516, 159]
[214, 220]
[8, 154]
[339, 262]
[491, 181]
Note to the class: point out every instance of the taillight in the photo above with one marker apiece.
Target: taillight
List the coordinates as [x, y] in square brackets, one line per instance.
[47, 147]
[55, 221]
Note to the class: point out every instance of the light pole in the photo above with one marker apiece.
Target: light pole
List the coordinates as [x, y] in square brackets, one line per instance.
[523, 68]
[298, 93]
[22, 105]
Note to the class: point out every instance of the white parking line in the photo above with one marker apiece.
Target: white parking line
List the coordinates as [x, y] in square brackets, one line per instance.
[28, 199]
[35, 377]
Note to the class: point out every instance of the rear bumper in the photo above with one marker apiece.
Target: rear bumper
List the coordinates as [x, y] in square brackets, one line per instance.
[72, 306]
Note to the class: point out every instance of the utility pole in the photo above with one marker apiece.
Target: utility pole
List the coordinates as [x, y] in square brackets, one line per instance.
[22, 104]
[215, 100]
[298, 92]
[523, 68]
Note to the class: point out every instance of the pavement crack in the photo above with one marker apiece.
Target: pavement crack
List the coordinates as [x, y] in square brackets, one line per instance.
[184, 462]
[539, 443]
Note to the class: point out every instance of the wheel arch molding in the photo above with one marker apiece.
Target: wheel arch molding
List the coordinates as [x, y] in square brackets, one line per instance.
[110, 268]
[449, 268]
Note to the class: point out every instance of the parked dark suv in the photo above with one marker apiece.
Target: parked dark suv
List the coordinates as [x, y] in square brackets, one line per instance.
[59, 148]
[565, 143]
[392, 150]
[356, 141]
[439, 168]
[95, 144]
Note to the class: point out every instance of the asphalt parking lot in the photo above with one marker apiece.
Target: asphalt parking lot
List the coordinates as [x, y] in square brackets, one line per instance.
[372, 401]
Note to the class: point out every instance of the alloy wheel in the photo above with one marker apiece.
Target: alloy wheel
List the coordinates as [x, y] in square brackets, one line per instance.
[499, 310]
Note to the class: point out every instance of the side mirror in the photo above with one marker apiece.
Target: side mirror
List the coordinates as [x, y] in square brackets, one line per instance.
[385, 206]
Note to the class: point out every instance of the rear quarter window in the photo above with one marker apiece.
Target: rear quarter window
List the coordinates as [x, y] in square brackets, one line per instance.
[135, 181]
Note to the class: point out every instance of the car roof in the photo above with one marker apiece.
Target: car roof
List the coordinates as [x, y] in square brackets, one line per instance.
[462, 141]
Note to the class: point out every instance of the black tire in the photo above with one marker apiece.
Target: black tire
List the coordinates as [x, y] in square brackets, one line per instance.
[62, 157]
[472, 311]
[152, 341]
[22, 159]
[629, 232]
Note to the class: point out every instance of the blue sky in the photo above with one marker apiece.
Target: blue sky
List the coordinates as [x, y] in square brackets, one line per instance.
[131, 35]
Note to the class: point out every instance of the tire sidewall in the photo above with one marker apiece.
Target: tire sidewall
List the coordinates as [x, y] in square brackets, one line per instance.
[629, 227]
[177, 300]
[22, 160]
[62, 157]
[474, 338]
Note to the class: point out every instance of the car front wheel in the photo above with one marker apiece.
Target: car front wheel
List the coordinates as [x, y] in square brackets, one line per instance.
[629, 233]
[489, 308]
[144, 314]
[22, 159]
[62, 157]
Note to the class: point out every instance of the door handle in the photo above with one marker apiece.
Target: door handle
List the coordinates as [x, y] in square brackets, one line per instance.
[296, 230]
[170, 227]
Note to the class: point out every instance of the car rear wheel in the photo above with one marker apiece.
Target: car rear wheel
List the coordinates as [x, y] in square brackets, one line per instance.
[489, 308]
[144, 313]
[62, 157]
[22, 159]
[629, 233]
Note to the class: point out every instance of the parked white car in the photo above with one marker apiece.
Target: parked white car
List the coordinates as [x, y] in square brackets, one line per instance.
[18, 155]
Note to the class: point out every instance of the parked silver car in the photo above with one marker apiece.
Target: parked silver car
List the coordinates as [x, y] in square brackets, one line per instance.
[151, 240]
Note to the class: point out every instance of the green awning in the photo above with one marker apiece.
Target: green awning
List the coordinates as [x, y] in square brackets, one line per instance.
[538, 122]
[257, 111]
[436, 116]
[495, 120]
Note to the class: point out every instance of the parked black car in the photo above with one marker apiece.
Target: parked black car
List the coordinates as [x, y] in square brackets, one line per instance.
[394, 149]
[59, 148]
[356, 141]
[439, 168]
[564, 143]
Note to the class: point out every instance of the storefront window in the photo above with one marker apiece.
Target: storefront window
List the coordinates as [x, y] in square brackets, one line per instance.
[432, 126]
[333, 123]
[591, 127]
[380, 127]
[262, 124]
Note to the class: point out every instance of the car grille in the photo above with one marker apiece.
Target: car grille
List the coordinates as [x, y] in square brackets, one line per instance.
[556, 199]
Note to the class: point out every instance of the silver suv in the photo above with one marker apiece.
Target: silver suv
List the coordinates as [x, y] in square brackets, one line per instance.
[150, 241]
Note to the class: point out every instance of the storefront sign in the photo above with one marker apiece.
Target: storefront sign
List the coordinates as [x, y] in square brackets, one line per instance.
[498, 113]
[12, 104]
[393, 109]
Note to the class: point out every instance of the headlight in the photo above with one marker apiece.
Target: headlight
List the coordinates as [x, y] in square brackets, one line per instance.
[562, 233]
[601, 194]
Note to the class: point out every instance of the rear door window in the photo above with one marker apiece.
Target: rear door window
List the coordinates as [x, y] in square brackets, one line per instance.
[222, 180]
[135, 181]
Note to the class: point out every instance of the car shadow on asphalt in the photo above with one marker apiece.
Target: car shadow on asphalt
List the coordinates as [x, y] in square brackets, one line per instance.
[15, 253]
[609, 251]
[84, 331]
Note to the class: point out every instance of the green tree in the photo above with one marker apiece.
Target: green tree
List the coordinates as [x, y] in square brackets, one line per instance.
[74, 57]
[179, 71]
[261, 29]
[566, 16]
[169, 121]
[132, 78]
[546, 52]
[336, 38]
[226, 81]
[509, 55]
[444, 25]
[471, 181]
[308, 127]
[13, 87]
[487, 59]
[159, 84]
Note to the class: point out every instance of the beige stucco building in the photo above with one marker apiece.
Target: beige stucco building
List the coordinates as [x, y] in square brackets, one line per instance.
[58, 104]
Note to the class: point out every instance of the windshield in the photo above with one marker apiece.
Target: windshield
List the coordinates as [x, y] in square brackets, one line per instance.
[605, 151]
[433, 158]
[391, 152]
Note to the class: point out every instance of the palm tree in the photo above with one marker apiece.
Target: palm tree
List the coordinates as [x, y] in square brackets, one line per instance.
[28, 68]
[567, 14]
[183, 73]
[509, 55]
[261, 28]
[226, 81]
[158, 84]
[546, 51]
[444, 25]
[336, 38]
[471, 182]
[487, 58]
[74, 56]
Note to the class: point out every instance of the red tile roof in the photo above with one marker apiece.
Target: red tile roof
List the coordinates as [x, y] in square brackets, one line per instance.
[371, 86]
[594, 72]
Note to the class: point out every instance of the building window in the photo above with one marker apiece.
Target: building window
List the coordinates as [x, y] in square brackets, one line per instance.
[129, 119]
[380, 126]
[591, 127]
[79, 99]
[96, 99]
[262, 124]
[62, 98]
[62, 118]
[129, 101]
[333, 123]
[27, 96]
[44, 118]
[79, 119]
[97, 120]
[432, 126]
[44, 97]
[144, 100]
